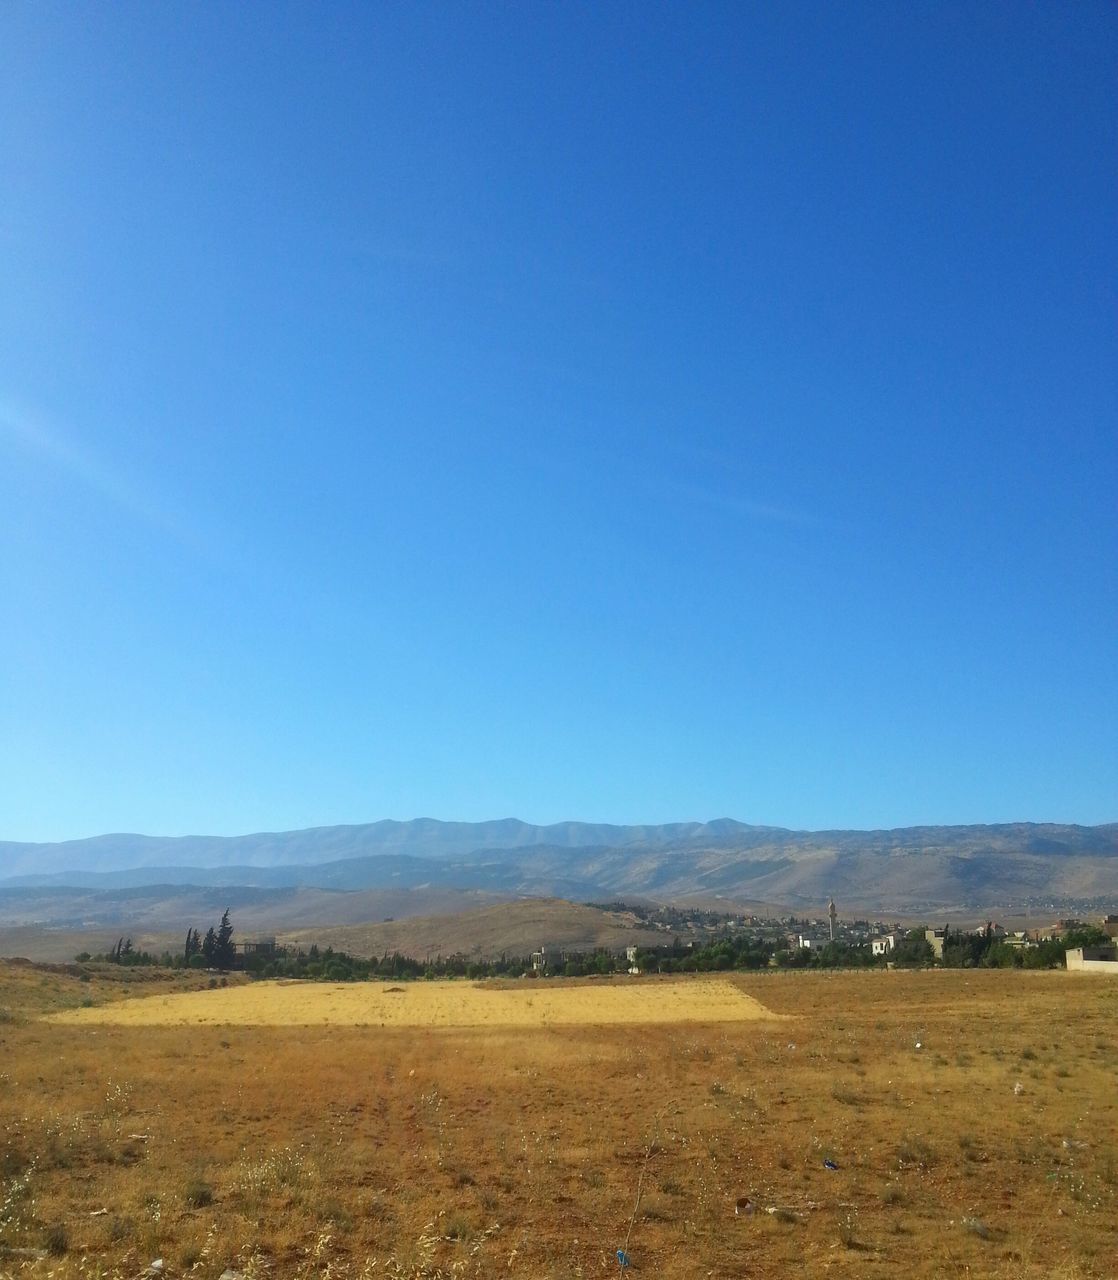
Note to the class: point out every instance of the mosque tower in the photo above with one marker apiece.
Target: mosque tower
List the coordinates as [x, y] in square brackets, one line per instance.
[831, 913]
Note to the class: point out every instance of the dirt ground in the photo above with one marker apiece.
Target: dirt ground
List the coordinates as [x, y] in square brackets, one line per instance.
[971, 1119]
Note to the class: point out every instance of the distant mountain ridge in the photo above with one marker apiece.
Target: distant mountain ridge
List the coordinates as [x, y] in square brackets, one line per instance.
[420, 837]
[910, 868]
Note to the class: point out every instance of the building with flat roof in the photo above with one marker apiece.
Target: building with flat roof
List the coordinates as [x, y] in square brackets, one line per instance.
[1103, 959]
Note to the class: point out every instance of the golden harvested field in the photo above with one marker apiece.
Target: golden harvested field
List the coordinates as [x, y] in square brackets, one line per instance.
[436, 1004]
[972, 1119]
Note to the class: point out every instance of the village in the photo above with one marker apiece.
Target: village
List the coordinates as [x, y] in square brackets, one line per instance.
[700, 941]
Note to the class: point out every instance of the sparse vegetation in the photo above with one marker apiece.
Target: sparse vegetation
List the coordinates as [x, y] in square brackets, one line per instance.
[402, 1152]
[56, 1239]
[198, 1194]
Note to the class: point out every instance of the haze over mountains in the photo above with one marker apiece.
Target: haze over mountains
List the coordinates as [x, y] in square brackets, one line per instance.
[421, 837]
[902, 870]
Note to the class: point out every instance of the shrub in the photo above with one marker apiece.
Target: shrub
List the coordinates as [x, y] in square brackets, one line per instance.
[332, 1211]
[848, 1097]
[657, 1209]
[198, 1194]
[914, 1151]
[120, 1229]
[458, 1228]
[55, 1239]
[846, 1234]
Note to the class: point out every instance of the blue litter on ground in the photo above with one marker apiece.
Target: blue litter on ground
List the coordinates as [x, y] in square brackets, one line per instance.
[622, 1258]
[829, 1164]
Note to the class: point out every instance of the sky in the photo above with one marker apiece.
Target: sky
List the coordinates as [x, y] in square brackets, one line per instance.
[635, 412]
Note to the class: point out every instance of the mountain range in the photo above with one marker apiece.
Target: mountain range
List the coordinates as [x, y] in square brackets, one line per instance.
[1040, 865]
[421, 837]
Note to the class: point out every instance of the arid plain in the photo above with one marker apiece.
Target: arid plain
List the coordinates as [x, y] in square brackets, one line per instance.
[971, 1119]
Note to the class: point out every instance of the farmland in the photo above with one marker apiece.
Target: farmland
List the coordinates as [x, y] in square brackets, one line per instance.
[436, 1004]
[970, 1117]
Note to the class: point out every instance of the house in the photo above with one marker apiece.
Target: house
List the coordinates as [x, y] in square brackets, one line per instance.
[266, 947]
[1093, 959]
[255, 954]
[1019, 938]
[935, 939]
[1058, 929]
[1109, 926]
[811, 941]
[886, 942]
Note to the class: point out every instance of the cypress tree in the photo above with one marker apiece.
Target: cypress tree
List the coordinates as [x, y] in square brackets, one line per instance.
[224, 952]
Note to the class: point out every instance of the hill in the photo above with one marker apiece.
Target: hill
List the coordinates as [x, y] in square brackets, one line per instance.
[518, 928]
[167, 907]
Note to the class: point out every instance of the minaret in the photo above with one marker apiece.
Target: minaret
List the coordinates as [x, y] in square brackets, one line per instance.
[831, 913]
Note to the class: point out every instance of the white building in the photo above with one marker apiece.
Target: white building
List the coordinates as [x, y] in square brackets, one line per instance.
[1093, 959]
[885, 943]
[811, 942]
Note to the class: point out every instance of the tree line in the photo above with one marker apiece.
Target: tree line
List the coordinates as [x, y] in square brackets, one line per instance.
[738, 950]
[213, 951]
[985, 950]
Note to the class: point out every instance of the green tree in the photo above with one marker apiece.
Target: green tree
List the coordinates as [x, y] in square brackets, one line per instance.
[1089, 935]
[914, 950]
[224, 951]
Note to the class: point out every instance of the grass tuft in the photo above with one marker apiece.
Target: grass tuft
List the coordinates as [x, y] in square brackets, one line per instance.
[458, 1227]
[56, 1239]
[198, 1194]
[913, 1151]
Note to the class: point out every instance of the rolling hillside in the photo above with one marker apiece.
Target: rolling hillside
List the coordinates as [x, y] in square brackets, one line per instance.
[518, 928]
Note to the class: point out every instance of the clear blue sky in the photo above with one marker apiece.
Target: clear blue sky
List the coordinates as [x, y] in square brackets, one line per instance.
[625, 412]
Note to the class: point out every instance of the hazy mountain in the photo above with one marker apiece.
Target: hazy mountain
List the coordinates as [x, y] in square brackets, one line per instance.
[907, 869]
[422, 837]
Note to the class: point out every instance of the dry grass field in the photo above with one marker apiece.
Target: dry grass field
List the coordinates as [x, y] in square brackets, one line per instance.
[972, 1119]
[435, 1004]
[426, 922]
[517, 928]
[59, 946]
